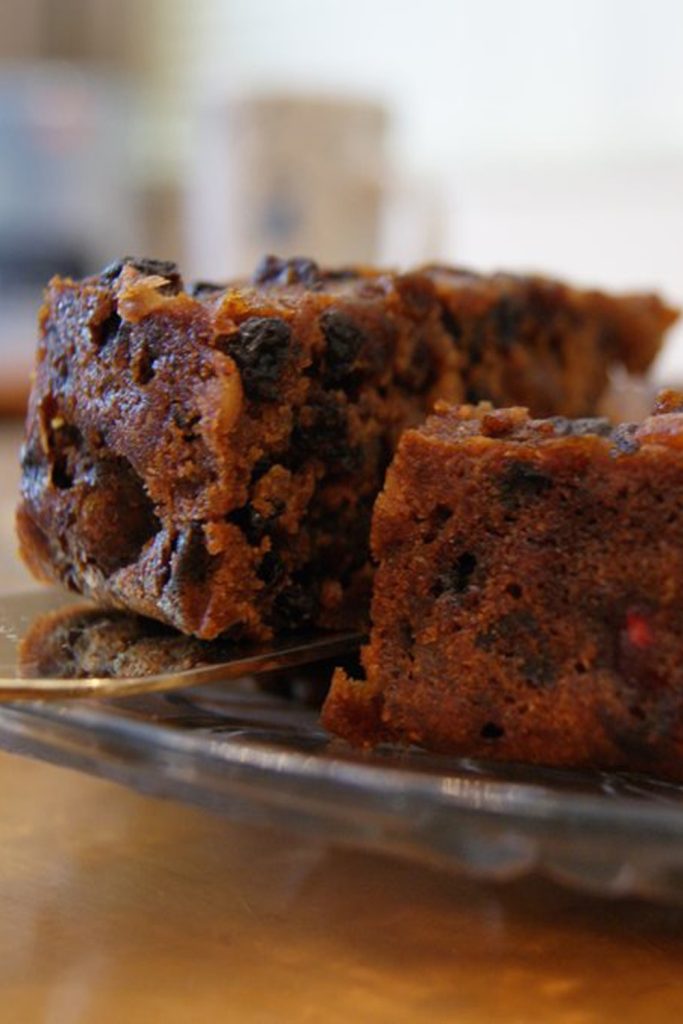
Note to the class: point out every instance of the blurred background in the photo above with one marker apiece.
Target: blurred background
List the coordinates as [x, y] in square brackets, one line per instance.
[536, 135]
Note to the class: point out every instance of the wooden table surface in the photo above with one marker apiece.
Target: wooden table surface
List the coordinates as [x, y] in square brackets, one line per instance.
[120, 908]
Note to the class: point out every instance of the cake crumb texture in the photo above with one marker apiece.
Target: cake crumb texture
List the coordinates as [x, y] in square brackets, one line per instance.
[210, 456]
[528, 601]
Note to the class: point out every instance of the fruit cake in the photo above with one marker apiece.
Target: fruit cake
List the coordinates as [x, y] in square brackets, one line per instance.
[210, 456]
[528, 603]
[86, 642]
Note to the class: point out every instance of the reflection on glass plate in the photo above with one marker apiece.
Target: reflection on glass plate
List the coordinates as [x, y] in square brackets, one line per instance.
[255, 750]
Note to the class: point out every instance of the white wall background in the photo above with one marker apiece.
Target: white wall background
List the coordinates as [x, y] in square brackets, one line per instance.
[540, 134]
[490, 79]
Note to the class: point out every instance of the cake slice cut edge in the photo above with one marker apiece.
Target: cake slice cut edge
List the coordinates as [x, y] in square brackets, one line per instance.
[528, 600]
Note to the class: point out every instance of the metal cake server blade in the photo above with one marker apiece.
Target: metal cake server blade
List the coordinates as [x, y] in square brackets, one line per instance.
[55, 645]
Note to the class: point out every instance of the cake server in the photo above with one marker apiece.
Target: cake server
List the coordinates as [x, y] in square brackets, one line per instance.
[51, 648]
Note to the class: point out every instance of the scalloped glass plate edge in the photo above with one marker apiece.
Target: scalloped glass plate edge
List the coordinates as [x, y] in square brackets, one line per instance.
[455, 819]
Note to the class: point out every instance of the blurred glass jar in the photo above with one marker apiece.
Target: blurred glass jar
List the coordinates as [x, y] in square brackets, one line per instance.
[286, 174]
[65, 175]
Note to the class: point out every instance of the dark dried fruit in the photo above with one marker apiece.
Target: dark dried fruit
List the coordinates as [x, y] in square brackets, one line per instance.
[202, 289]
[192, 560]
[516, 636]
[260, 468]
[538, 670]
[342, 274]
[623, 439]
[476, 342]
[522, 480]
[148, 267]
[298, 270]
[506, 317]
[116, 517]
[260, 348]
[271, 570]
[253, 525]
[324, 434]
[185, 421]
[582, 427]
[344, 342]
[421, 373]
[453, 326]
[295, 606]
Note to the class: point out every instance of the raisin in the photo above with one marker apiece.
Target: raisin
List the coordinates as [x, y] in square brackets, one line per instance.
[185, 421]
[294, 607]
[117, 517]
[260, 349]
[537, 670]
[112, 271]
[202, 289]
[342, 274]
[253, 525]
[586, 425]
[476, 343]
[32, 464]
[193, 561]
[473, 396]
[417, 294]
[344, 342]
[562, 426]
[271, 570]
[517, 636]
[325, 436]
[260, 468]
[148, 267]
[421, 373]
[298, 270]
[522, 480]
[451, 324]
[623, 439]
[506, 317]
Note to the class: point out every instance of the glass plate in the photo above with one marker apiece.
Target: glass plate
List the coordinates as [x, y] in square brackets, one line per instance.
[254, 750]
